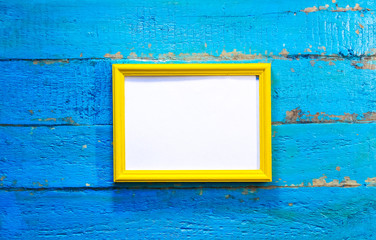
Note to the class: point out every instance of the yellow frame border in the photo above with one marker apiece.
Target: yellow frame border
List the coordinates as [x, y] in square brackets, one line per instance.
[262, 70]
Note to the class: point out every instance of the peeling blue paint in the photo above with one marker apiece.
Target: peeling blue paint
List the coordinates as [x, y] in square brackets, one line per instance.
[56, 118]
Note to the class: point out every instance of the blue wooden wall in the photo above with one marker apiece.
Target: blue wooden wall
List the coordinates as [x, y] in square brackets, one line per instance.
[56, 118]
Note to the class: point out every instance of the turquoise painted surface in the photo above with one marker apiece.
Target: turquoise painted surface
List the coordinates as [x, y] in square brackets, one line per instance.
[56, 119]
[74, 156]
[337, 213]
[95, 28]
[79, 91]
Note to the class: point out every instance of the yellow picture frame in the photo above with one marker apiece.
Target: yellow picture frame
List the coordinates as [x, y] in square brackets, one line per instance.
[262, 70]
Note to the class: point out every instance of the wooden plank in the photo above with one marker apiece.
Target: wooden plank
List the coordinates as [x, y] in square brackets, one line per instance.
[79, 92]
[61, 156]
[304, 155]
[56, 93]
[340, 213]
[97, 29]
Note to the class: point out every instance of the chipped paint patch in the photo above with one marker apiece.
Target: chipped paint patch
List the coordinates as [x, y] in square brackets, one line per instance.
[115, 56]
[284, 52]
[201, 192]
[50, 61]
[371, 51]
[84, 147]
[46, 119]
[235, 55]
[132, 55]
[315, 9]
[369, 116]
[298, 116]
[68, 120]
[371, 182]
[338, 9]
[323, 48]
[364, 64]
[167, 56]
[310, 9]
[348, 8]
[31, 112]
[346, 182]
[198, 56]
[40, 184]
[338, 168]
[307, 50]
[293, 115]
[315, 55]
[324, 7]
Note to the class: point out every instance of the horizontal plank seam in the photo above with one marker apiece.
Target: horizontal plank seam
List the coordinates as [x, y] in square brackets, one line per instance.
[332, 122]
[52, 125]
[338, 56]
[251, 187]
[94, 125]
[334, 11]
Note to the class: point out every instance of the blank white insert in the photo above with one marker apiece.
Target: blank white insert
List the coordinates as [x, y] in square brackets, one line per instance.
[192, 123]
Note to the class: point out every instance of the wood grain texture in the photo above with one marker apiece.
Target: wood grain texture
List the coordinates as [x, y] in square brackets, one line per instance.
[79, 92]
[305, 155]
[67, 29]
[338, 213]
[56, 118]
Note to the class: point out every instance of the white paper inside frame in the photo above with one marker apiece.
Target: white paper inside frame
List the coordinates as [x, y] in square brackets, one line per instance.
[192, 123]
